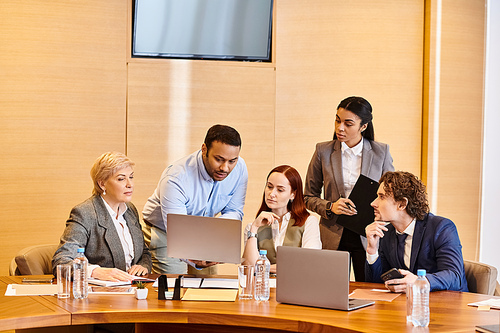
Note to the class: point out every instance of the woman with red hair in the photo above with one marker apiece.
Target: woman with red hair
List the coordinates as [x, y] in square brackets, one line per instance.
[282, 219]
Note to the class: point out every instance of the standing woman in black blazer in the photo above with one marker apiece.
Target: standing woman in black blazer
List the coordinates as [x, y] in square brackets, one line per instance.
[335, 168]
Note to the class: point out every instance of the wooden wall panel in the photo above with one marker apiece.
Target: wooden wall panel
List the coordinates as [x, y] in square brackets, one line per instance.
[455, 127]
[62, 103]
[335, 49]
[171, 105]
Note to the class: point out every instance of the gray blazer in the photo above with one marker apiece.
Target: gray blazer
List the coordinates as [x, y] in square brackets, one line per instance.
[325, 173]
[90, 226]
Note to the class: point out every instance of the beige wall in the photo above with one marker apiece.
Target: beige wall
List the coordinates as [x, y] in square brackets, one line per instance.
[70, 91]
[453, 110]
[337, 49]
[63, 84]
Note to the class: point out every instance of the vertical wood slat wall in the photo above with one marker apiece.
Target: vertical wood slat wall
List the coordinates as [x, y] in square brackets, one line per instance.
[63, 86]
[70, 91]
[453, 127]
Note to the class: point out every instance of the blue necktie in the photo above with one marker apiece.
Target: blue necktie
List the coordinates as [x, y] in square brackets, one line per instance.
[401, 249]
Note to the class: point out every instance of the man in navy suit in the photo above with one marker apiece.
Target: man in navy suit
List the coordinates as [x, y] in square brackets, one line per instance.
[407, 237]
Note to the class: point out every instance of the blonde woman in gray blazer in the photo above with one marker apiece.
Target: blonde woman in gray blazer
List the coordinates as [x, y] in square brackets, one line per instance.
[353, 144]
[107, 225]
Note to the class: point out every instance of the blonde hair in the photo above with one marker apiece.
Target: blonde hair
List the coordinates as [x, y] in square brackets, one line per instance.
[106, 166]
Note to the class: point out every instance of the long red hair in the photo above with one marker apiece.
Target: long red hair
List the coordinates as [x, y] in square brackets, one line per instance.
[297, 207]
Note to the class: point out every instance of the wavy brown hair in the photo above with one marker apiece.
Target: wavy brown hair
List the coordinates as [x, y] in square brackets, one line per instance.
[401, 185]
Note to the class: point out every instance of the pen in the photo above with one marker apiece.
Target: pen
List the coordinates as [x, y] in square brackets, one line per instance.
[348, 204]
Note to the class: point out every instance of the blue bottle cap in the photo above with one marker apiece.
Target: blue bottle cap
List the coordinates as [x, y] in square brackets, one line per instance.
[263, 252]
[421, 272]
[80, 250]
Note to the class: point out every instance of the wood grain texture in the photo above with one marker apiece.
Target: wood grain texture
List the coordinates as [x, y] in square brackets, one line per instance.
[19, 312]
[62, 104]
[454, 129]
[172, 104]
[334, 49]
[70, 91]
[249, 315]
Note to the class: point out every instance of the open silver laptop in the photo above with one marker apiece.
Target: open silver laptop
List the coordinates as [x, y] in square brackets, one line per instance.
[204, 238]
[313, 277]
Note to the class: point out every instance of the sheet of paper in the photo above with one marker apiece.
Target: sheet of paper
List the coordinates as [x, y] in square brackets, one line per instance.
[223, 295]
[219, 283]
[188, 283]
[493, 303]
[104, 283]
[31, 289]
[373, 295]
[170, 282]
[127, 290]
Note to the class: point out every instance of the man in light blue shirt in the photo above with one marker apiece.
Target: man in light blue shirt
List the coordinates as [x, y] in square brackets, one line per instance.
[210, 181]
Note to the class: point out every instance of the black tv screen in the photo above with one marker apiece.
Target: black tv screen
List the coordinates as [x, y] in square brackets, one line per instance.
[203, 29]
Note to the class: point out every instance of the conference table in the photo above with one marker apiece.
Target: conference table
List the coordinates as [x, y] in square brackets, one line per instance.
[449, 313]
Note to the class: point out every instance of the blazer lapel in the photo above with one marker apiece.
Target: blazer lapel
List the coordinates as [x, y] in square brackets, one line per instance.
[111, 235]
[366, 158]
[418, 235]
[336, 161]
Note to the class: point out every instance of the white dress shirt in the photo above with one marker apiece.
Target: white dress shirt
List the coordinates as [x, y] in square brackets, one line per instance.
[310, 239]
[371, 258]
[351, 165]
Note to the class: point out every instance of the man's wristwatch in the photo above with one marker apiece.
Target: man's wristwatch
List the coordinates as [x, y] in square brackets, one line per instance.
[251, 234]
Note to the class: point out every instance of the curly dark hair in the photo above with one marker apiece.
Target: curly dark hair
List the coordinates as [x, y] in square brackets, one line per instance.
[403, 185]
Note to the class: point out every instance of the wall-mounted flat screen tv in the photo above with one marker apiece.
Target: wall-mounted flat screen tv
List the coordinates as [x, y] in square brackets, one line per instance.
[203, 29]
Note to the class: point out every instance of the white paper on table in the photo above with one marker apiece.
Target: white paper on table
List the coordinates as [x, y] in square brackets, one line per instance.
[220, 283]
[492, 303]
[186, 282]
[31, 289]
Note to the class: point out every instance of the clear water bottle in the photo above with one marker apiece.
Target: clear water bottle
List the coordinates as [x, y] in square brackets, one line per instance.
[80, 282]
[420, 313]
[262, 269]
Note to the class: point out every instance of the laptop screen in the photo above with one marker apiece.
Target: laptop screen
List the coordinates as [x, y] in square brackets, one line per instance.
[204, 238]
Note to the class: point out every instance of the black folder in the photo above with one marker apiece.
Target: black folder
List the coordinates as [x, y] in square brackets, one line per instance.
[363, 193]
